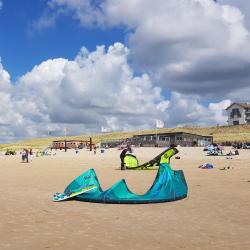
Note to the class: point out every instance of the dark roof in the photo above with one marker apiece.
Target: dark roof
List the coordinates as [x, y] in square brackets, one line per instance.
[244, 105]
[174, 133]
[70, 141]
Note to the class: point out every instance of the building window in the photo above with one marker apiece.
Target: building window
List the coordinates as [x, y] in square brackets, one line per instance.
[163, 138]
[235, 112]
[247, 112]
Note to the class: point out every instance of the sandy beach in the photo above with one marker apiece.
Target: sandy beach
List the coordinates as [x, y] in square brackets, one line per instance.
[215, 215]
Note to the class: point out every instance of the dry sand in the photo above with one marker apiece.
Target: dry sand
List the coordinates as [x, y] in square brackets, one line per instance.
[216, 214]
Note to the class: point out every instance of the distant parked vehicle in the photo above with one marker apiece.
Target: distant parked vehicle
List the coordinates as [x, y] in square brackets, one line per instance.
[246, 145]
[237, 145]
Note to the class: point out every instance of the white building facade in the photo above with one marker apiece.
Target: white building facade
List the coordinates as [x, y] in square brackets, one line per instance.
[238, 113]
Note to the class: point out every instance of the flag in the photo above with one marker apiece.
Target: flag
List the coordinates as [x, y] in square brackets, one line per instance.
[104, 130]
[159, 124]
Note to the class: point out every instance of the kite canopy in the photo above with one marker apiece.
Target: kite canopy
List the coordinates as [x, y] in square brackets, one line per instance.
[131, 162]
[169, 185]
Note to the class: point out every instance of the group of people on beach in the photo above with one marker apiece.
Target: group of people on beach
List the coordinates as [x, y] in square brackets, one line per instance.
[27, 155]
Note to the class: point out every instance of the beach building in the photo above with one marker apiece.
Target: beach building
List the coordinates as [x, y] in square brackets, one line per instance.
[60, 144]
[166, 139]
[161, 140]
[113, 143]
[238, 113]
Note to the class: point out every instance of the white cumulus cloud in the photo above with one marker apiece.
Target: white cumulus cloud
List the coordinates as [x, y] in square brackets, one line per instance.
[189, 110]
[96, 89]
[5, 84]
[197, 46]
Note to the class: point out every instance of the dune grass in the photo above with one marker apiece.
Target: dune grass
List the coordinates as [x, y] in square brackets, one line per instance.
[239, 133]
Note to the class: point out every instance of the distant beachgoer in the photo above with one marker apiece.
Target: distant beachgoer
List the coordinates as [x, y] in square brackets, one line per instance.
[23, 154]
[31, 155]
[235, 152]
[94, 150]
[27, 155]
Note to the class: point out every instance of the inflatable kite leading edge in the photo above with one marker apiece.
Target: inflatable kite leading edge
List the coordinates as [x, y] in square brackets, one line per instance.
[169, 185]
[131, 162]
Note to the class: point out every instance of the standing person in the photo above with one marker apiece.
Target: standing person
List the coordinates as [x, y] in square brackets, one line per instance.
[27, 155]
[31, 155]
[122, 156]
[23, 153]
[94, 150]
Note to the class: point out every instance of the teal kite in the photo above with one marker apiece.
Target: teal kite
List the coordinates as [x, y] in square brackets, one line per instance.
[169, 185]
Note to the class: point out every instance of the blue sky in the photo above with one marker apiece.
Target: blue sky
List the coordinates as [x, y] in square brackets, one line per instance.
[22, 47]
[120, 65]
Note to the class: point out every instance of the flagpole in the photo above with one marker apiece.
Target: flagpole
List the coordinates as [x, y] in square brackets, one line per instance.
[65, 140]
[156, 134]
[158, 124]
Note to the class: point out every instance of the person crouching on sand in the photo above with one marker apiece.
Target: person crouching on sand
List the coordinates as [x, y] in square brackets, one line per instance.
[122, 156]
